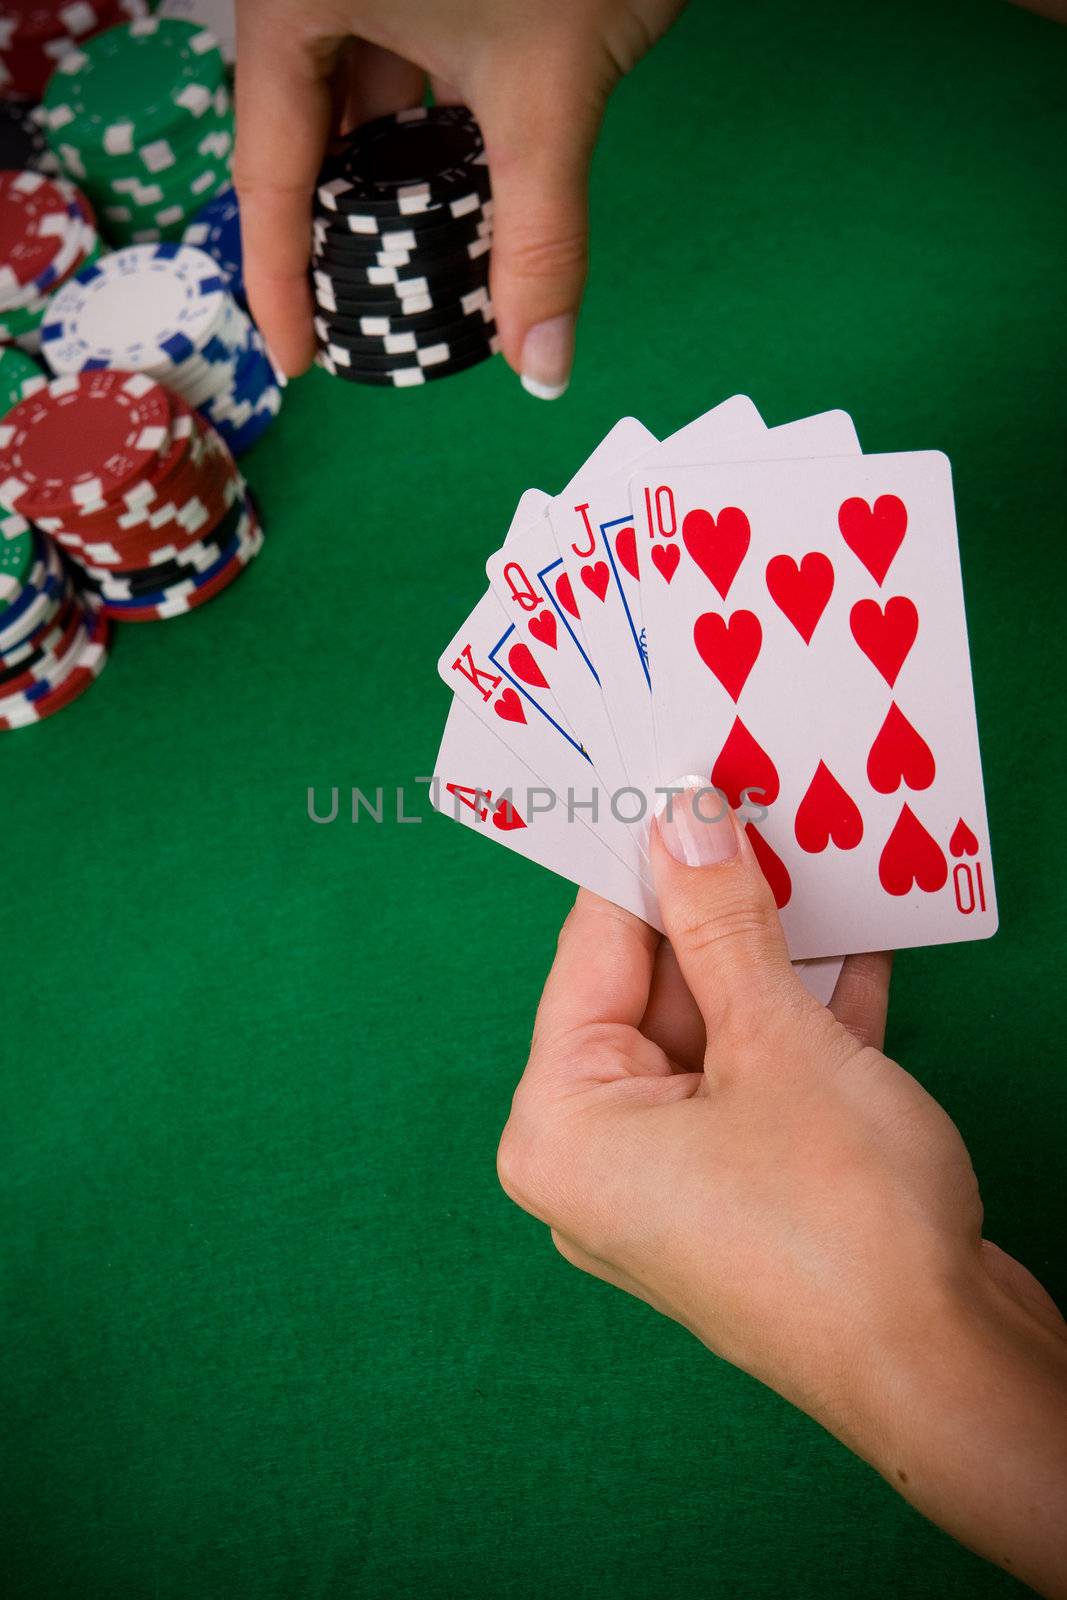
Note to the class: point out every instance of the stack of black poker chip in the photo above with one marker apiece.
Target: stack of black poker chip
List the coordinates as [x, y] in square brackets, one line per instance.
[400, 250]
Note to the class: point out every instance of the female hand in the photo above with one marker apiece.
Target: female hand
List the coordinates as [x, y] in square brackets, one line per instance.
[696, 1129]
[536, 73]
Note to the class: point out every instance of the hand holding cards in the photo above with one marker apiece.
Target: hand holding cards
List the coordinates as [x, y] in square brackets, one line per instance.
[767, 608]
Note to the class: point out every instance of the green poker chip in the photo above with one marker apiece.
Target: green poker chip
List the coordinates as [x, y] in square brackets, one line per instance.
[17, 370]
[140, 117]
[16, 556]
[132, 84]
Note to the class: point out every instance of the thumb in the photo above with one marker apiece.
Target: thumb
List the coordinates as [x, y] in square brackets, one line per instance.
[718, 911]
[539, 142]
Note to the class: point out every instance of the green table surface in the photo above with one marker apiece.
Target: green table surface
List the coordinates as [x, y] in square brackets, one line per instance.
[270, 1328]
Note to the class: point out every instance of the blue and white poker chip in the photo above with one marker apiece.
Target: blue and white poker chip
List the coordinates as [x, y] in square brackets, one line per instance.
[147, 308]
[216, 229]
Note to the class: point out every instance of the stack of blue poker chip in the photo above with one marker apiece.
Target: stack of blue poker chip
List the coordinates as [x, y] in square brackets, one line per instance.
[216, 229]
[165, 310]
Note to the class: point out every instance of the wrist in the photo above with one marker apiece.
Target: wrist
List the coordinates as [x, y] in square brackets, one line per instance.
[961, 1405]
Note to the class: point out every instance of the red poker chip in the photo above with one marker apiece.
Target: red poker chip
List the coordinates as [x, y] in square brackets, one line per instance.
[85, 436]
[183, 455]
[29, 67]
[184, 510]
[33, 219]
[43, 19]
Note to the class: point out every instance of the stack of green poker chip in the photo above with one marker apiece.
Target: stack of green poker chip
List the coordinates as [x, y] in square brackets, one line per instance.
[141, 118]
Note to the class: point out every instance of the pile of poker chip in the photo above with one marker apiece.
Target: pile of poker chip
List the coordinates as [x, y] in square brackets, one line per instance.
[52, 645]
[35, 35]
[47, 234]
[138, 491]
[401, 239]
[164, 310]
[140, 117]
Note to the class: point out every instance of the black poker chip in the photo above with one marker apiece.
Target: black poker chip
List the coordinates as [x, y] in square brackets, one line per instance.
[339, 258]
[402, 376]
[456, 335]
[389, 226]
[406, 163]
[441, 269]
[418, 240]
[445, 306]
[349, 289]
[475, 309]
[406, 233]
[430, 353]
[23, 145]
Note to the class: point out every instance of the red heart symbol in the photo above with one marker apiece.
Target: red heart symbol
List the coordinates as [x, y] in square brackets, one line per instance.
[885, 637]
[665, 558]
[801, 592]
[963, 841]
[565, 595]
[744, 769]
[509, 706]
[595, 578]
[505, 817]
[772, 866]
[729, 649]
[827, 812]
[543, 628]
[717, 545]
[626, 550]
[911, 856]
[523, 665]
[874, 533]
[899, 754]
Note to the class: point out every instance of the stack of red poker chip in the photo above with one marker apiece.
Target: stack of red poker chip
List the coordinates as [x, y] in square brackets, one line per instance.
[138, 490]
[35, 35]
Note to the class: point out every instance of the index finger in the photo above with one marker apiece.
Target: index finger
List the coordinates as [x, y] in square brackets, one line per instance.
[284, 111]
[602, 972]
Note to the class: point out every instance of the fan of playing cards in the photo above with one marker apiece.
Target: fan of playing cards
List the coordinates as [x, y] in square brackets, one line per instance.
[767, 608]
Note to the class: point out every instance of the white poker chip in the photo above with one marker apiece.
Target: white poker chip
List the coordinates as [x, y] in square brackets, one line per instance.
[146, 308]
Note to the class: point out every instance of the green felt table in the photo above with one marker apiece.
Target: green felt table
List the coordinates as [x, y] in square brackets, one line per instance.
[270, 1328]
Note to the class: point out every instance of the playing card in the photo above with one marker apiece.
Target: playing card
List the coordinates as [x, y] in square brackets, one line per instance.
[523, 575]
[480, 782]
[809, 650]
[491, 670]
[596, 538]
[528, 577]
[533, 503]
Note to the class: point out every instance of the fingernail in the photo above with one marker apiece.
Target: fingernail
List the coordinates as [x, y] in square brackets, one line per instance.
[695, 824]
[547, 354]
